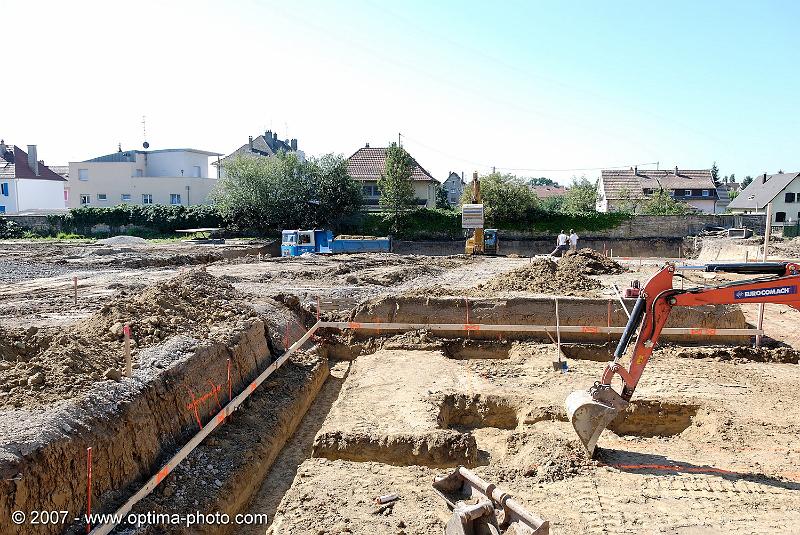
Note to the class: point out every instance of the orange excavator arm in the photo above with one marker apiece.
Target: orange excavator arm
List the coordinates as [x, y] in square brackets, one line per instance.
[590, 412]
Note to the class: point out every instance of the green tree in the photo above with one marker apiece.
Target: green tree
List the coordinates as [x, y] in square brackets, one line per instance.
[661, 203]
[441, 197]
[627, 203]
[542, 181]
[715, 173]
[395, 185]
[581, 197]
[553, 204]
[506, 199]
[746, 181]
[283, 192]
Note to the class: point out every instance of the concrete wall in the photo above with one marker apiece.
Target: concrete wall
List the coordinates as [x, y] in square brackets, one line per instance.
[170, 164]
[40, 194]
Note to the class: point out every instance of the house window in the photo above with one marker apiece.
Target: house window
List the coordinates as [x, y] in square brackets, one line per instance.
[371, 190]
[196, 171]
[86, 199]
[687, 193]
[706, 193]
[147, 198]
[4, 189]
[789, 197]
[140, 172]
[83, 174]
[780, 217]
[648, 191]
[174, 198]
[2, 209]
[126, 197]
[101, 196]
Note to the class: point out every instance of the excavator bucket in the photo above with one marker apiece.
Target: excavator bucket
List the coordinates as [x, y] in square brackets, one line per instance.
[590, 417]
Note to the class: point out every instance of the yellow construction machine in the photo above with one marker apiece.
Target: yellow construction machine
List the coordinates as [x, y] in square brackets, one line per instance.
[482, 241]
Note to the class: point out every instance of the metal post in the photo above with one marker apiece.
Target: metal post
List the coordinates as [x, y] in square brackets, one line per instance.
[765, 254]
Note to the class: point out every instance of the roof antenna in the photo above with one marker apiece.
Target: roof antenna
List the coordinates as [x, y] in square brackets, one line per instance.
[146, 145]
[119, 147]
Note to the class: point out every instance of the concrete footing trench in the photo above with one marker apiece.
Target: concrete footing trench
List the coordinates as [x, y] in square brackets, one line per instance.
[707, 445]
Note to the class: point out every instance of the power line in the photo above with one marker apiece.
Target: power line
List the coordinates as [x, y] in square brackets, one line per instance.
[529, 169]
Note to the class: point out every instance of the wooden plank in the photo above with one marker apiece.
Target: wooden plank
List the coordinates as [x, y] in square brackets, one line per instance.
[439, 327]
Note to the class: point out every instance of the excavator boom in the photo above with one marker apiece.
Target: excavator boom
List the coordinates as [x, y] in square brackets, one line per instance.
[591, 411]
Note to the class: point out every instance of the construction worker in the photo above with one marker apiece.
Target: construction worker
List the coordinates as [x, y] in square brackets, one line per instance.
[573, 240]
[561, 244]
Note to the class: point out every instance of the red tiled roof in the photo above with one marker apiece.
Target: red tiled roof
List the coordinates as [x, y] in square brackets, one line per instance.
[544, 192]
[368, 163]
[19, 168]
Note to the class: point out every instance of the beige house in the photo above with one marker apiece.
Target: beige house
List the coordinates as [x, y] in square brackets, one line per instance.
[367, 165]
[632, 187]
[167, 176]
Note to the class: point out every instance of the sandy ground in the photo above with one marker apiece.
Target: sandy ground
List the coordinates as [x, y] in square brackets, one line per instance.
[710, 448]
[721, 467]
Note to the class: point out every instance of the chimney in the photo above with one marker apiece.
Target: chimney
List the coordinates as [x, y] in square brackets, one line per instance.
[366, 146]
[293, 144]
[2, 147]
[462, 176]
[33, 160]
[635, 170]
[676, 170]
[764, 178]
[275, 138]
[268, 138]
[251, 142]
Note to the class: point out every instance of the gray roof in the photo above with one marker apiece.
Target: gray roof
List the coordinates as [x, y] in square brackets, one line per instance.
[130, 155]
[266, 145]
[759, 193]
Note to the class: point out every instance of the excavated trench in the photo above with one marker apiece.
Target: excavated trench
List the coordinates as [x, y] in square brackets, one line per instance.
[135, 425]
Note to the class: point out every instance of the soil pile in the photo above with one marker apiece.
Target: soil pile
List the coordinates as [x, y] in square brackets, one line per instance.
[786, 355]
[589, 262]
[541, 276]
[43, 366]
[547, 458]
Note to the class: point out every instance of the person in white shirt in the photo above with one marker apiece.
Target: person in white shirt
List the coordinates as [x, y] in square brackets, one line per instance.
[561, 244]
[573, 240]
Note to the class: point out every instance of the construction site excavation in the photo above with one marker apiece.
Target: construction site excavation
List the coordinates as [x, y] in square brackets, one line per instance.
[153, 388]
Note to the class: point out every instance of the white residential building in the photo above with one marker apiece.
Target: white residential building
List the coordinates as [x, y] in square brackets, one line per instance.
[167, 176]
[27, 185]
[780, 189]
[454, 186]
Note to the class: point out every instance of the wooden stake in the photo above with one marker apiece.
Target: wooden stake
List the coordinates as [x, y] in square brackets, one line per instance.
[88, 488]
[764, 256]
[127, 349]
[558, 332]
[75, 290]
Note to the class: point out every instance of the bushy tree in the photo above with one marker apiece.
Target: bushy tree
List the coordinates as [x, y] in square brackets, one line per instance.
[441, 197]
[581, 197]
[661, 203]
[554, 204]
[542, 181]
[506, 199]
[746, 181]
[395, 185]
[283, 192]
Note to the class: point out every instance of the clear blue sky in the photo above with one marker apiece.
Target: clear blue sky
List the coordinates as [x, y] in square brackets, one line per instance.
[519, 85]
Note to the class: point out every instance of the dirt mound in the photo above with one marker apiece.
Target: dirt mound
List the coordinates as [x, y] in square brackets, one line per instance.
[547, 458]
[785, 355]
[589, 262]
[541, 276]
[43, 366]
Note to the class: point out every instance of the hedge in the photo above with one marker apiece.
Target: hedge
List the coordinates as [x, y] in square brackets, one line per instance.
[157, 217]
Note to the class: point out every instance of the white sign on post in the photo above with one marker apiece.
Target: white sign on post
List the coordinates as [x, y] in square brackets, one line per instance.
[472, 216]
